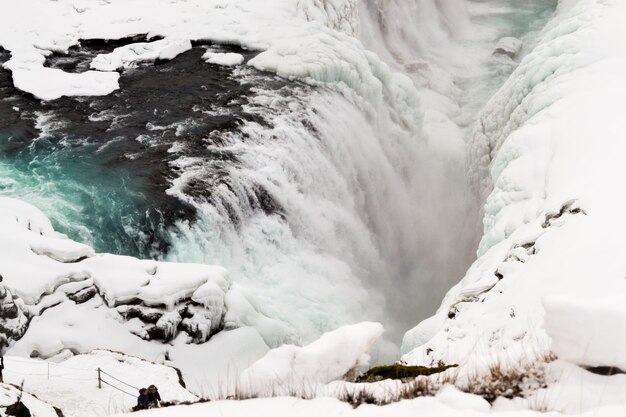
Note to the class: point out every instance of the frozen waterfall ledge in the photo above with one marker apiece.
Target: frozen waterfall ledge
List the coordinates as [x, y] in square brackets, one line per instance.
[549, 146]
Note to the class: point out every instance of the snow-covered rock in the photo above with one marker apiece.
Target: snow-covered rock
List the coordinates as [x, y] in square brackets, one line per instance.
[36, 261]
[14, 317]
[508, 46]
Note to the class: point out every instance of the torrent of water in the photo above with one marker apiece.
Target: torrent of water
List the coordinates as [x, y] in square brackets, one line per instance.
[323, 210]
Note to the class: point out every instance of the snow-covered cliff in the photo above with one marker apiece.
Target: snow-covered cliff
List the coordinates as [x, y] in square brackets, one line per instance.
[547, 152]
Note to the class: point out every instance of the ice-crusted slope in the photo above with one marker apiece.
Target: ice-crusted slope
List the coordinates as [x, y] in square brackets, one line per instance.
[548, 150]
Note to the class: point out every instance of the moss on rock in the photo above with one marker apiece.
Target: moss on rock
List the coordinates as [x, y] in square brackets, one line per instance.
[400, 371]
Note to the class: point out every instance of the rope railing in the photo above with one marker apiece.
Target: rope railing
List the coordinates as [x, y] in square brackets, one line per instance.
[99, 374]
[119, 380]
[119, 389]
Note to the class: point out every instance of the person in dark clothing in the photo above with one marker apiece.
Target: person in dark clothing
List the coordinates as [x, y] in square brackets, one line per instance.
[1, 368]
[143, 401]
[154, 398]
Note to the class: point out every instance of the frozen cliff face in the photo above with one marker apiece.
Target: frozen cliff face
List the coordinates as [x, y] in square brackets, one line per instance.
[548, 151]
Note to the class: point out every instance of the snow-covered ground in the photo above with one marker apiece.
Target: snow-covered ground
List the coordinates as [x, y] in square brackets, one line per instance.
[72, 384]
[448, 403]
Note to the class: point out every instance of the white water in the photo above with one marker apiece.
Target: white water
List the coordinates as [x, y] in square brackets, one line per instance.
[378, 223]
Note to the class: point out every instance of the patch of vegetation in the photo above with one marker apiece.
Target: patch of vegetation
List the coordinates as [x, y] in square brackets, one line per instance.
[509, 381]
[401, 371]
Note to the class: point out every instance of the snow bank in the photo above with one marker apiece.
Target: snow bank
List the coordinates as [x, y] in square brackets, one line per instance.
[548, 147]
[573, 390]
[587, 331]
[334, 355]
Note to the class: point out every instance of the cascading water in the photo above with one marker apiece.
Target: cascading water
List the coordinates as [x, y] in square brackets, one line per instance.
[326, 208]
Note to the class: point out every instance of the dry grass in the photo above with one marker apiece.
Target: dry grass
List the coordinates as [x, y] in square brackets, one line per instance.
[495, 382]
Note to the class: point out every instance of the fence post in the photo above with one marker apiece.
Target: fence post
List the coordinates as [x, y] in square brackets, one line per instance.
[99, 379]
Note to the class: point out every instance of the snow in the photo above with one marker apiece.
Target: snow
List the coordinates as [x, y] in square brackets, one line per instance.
[587, 331]
[136, 53]
[9, 395]
[286, 406]
[30, 243]
[331, 357]
[547, 151]
[72, 385]
[226, 59]
[573, 390]
[52, 83]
